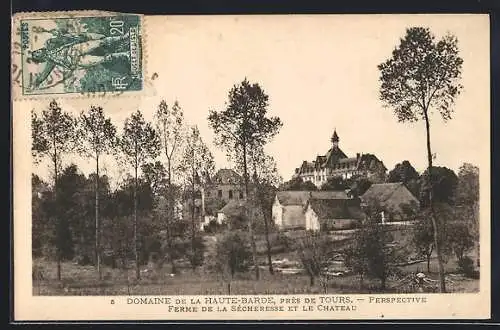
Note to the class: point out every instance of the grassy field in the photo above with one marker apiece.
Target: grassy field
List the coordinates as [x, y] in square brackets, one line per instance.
[83, 280]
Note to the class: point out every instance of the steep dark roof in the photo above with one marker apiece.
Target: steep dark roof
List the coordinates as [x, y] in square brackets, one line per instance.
[335, 137]
[381, 192]
[327, 209]
[390, 196]
[333, 156]
[301, 197]
[369, 162]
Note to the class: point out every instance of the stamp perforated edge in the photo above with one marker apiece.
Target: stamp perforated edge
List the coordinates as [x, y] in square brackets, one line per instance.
[16, 89]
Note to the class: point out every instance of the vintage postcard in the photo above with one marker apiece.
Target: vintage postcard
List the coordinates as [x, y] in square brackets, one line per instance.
[287, 167]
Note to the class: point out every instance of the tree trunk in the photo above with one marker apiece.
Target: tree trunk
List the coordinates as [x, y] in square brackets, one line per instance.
[437, 242]
[429, 263]
[311, 280]
[250, 220]
[97, 224]
[266, 225]
[193, 257]
[58, 217]
[136, 247]
[170, 216]
[268, 245]
[475, 226]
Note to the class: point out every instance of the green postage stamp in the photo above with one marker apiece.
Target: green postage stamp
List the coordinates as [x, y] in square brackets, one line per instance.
[81, 55]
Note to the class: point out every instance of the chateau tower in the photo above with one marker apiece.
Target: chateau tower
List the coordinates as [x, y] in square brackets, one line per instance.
[335, 139]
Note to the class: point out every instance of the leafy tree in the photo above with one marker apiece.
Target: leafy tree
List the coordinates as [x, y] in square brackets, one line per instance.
[75, 209]
[52, 134]
[423, 75]
[40, 198]
[356, 257]
[403, 172]
[96, 136]
[460, 239]
[170, 125]
[444, 183]
[372, 253]
[313, 252]
[198, 164]
[139, 143]
[335, 183]
[380, 256]
[233, 253]
[242, 127]
[265, 179]
[155, 174]
[466, 266]
[406, 173]
[359, 185]
[297, 184]
[467, 200]
[423, 240]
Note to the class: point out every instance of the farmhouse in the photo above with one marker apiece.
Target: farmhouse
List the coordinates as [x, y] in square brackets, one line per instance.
[289, 206]
[235, 208]
[395, 200]
[331, 214]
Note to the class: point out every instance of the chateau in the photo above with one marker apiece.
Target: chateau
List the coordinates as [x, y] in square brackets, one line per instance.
[335, 163]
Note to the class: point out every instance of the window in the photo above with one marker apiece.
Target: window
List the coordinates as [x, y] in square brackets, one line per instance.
[241, 194]
[208, 193]
[219, 193]
[230, 194]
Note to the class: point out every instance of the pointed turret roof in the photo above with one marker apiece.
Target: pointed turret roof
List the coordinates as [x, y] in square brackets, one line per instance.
[335, 137]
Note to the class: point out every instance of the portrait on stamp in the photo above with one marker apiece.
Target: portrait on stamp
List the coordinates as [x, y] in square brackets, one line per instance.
[81, 54]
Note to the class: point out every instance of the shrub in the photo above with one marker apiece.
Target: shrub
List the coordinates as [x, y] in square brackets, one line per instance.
[233, 253]
[466, 266]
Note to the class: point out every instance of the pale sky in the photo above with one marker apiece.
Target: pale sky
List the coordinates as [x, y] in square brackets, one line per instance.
[320, 73]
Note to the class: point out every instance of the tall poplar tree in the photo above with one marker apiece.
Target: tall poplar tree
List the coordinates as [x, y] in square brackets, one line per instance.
[423, 75]
[140, 144]
[96, 136]
[242, 127]
[170, 125]
[52, 136]
[198, 165]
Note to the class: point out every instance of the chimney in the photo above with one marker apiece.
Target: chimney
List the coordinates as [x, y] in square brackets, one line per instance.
[357, 156]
